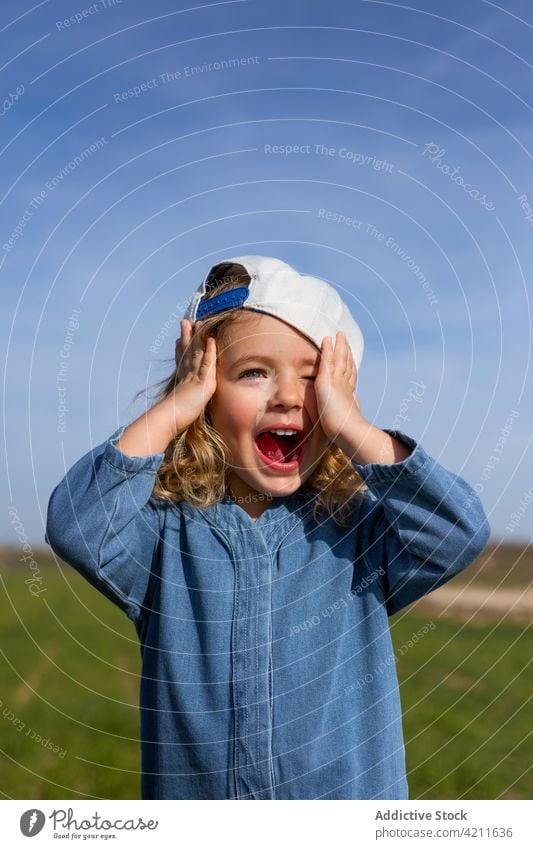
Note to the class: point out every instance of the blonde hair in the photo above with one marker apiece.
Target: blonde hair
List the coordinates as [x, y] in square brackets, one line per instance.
[197, 461]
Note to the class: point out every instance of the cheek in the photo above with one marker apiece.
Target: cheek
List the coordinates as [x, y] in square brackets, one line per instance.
[311, 406]
[250, 398]
[250, 410]
[236, 409]
[220, 407]
[311, 402]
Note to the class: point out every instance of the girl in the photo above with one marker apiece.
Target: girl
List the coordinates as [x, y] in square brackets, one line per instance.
[259, 531]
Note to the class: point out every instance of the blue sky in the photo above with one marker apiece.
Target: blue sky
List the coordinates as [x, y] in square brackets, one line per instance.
[383, 147]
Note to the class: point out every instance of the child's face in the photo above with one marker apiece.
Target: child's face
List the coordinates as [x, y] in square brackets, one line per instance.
[274, 388]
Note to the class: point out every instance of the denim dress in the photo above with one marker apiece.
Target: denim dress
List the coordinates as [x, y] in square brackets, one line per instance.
[268, 670]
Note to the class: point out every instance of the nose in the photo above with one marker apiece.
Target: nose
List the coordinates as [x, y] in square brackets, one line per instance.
[287, 391]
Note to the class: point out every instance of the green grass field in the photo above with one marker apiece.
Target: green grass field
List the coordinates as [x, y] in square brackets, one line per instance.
[69, 693]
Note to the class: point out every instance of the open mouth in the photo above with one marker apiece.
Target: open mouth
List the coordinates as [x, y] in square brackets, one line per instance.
[282, 451]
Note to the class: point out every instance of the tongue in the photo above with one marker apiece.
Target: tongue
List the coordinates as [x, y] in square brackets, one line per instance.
[277, 448]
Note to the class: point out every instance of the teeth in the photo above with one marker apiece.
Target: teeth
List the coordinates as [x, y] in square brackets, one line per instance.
[284, 432]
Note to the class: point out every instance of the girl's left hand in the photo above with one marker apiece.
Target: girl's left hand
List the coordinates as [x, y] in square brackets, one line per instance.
[335, 387]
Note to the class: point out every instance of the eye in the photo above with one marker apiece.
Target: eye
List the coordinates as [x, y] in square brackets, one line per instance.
[260, 371]
[250, 371]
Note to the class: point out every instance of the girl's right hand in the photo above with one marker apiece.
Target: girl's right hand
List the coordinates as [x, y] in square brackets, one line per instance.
[152, 432]
[196, 369]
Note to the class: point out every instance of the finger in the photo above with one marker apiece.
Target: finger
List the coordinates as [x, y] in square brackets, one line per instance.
[341, 343]
[327, 358]
[182, 363]
[181, 342]
[210, 353]
[350, 362]
[200, 351]
[196, 341]
[197, 355]
[341, 353]
[185, 333]
[183, 347]
[327, 348]
[347, 352]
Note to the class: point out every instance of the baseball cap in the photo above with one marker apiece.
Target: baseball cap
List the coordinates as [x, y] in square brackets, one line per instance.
[307, 303]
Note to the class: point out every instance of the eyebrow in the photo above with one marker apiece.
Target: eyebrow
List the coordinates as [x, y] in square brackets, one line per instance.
[304, 361]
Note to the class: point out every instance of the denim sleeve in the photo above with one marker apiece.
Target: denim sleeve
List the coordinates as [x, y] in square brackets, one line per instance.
[421, 523]
[102, 523]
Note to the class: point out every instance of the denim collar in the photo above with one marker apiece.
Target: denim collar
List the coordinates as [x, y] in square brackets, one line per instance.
[281, 515]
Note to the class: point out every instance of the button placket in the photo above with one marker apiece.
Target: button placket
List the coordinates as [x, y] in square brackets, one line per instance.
[251, 685]
[252, 547]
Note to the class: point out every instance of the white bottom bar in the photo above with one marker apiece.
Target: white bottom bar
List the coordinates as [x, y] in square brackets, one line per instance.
[308, 824]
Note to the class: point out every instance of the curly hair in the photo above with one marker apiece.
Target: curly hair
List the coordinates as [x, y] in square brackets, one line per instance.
[197, 461]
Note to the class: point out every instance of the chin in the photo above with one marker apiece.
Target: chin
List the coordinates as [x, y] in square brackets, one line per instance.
[279, 490]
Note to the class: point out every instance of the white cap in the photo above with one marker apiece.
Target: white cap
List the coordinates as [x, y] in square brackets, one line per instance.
[310, 305]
